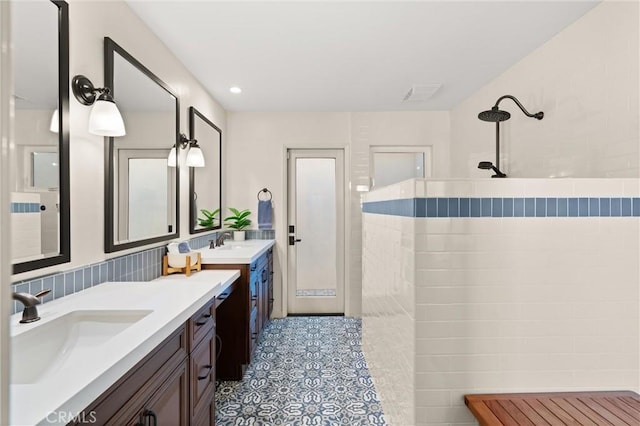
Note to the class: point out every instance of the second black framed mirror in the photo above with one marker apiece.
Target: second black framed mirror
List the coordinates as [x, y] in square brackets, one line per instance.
[141, 189]
[205, 183]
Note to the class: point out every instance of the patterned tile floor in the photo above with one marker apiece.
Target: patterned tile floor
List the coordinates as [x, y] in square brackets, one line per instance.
[306, 371]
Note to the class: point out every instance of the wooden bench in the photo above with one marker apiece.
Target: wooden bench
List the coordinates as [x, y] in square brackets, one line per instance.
[615, 408]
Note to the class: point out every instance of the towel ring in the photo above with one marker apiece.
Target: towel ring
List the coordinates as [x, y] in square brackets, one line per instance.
[266, 191]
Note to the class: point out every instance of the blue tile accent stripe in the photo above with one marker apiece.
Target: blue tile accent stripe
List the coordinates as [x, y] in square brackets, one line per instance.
[405, 207]
[506, 207]
[25, 207]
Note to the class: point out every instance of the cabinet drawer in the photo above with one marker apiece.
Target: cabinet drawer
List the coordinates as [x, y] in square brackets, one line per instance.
[224, 295]
[202, 374]
[201, 323]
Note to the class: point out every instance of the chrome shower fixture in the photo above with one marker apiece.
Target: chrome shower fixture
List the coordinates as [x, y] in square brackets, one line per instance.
[496, 115]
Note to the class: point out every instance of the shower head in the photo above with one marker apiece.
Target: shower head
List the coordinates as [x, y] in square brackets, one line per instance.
[488, 165]
[494, 115]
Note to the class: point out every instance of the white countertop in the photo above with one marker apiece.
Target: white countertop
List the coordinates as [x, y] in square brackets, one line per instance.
[243, 252]
[172, 300]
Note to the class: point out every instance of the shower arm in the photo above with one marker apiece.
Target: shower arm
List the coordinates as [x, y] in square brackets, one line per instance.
[537, 115]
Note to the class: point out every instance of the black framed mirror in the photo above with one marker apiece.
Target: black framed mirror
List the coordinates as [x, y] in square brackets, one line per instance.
[205, 183]
[40, 181]
[141, 190]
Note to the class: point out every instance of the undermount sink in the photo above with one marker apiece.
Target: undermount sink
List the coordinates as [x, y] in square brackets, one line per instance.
[62, 342]
[231, 247]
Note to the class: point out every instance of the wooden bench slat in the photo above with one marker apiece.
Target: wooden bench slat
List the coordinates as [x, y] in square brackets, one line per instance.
[500, 413]
[608, 408]
[531, 414]
[632, 402]
[585, 409]
[559, 412]
[573, 412]
[484, 414]
[548, 416]
[515, 412]
[604, 411]
[616, 411]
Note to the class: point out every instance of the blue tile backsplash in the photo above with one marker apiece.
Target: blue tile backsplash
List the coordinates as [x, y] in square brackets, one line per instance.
[506, 207]
[145, 265]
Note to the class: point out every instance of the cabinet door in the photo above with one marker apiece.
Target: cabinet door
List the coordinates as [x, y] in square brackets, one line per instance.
[169, 405]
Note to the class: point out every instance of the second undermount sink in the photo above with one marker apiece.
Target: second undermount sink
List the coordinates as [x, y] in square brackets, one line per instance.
[63, 342]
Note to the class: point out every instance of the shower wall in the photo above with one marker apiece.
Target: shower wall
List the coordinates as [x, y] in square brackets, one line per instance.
[586, 80]
[513, 285]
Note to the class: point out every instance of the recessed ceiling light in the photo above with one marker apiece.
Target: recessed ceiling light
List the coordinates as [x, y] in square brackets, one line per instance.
[235, 89]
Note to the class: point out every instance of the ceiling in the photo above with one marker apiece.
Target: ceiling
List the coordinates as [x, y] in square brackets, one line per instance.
[351, 56]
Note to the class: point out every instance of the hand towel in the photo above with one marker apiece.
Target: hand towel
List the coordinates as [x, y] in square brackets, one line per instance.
[265, 214]
[183, 247]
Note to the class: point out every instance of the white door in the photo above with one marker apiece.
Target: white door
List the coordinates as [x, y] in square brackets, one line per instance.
[316, 232]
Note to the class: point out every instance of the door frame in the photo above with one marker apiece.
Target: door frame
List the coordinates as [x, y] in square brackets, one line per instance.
[282, 237]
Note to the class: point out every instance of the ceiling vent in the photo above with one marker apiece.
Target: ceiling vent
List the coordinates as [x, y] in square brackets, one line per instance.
[421, 92]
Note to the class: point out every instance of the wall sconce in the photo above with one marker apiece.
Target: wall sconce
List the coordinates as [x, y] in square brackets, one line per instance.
[195, 158]
[105, 118]
[55, 122]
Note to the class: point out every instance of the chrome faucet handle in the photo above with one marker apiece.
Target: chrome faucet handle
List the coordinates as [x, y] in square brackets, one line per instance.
[30, 313]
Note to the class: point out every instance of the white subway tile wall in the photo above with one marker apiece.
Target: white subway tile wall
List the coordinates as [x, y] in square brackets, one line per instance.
[503, 304]
[585, 79]
[388, 306]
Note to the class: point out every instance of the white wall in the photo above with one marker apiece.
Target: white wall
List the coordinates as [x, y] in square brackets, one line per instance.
[586, 81]
[6, 129]
[501, 304]
[117, 21]
[255, 160]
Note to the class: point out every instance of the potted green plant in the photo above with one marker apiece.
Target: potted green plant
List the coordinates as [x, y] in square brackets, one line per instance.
[238, 222]
[208, 221]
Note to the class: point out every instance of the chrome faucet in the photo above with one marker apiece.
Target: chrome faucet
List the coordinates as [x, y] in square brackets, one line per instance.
[30, 312]
[220, 239]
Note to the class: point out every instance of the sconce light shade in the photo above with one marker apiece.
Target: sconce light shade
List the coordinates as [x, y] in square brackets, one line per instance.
[55, 122]
[105, 118]
[172, 160]
[195, 157]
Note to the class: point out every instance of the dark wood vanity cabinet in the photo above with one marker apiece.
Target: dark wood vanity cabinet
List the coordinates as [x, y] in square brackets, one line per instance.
[243, 316]
[174, 385]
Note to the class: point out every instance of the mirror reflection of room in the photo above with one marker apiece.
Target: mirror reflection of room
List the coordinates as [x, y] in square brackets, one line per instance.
[205, 180]
[35, 196]
[144, 196]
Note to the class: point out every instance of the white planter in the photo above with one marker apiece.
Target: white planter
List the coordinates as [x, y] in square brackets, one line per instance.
[238, 235]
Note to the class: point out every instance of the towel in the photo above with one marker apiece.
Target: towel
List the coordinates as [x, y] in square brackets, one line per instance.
[265, 214]
[183, 247]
